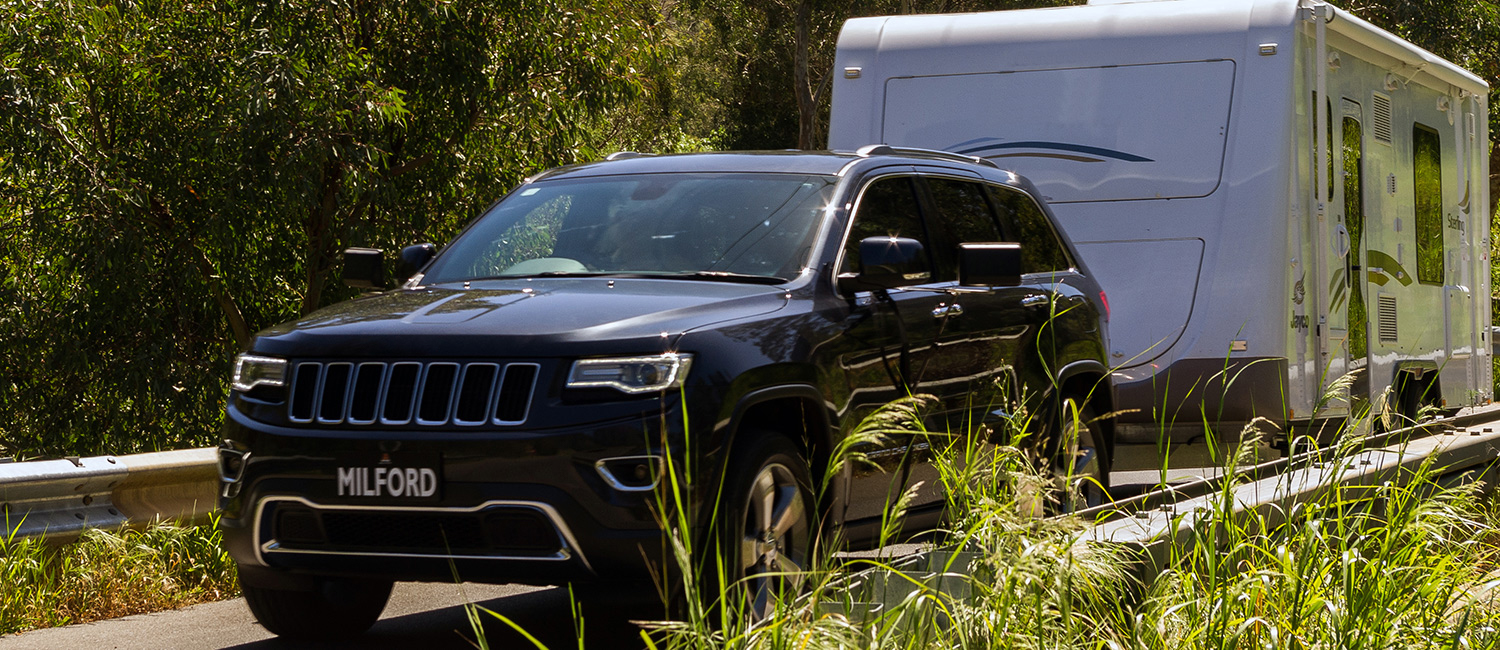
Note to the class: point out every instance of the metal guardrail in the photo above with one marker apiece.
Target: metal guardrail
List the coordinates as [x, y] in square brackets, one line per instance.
[59, 499]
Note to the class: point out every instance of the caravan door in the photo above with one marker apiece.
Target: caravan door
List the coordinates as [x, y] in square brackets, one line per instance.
[1351, 203]
[1332, 243]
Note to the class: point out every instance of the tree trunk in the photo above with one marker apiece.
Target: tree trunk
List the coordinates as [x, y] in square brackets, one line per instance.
[319, 230]
[227, 303]
[807, 106]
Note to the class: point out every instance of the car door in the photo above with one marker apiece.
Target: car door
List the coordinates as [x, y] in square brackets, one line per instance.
[980, 335]
[1058, 311]
[887, 343]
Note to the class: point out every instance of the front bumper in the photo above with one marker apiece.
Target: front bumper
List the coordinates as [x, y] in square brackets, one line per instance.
[513, 507]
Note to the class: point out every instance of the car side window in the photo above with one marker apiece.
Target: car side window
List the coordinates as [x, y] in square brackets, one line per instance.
[963, 215]
[1041, 251]
[888, 208]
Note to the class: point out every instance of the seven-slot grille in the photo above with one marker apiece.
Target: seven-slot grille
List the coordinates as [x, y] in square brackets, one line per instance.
[410, 392]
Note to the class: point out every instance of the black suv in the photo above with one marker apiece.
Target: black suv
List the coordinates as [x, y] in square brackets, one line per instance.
[506, 413]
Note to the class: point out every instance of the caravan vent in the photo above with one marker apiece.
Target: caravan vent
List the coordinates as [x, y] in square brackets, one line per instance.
[1381, 107]
[1386, 318]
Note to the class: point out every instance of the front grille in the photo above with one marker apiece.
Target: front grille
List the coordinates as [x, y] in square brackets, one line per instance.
[406, 392]
[501, 531]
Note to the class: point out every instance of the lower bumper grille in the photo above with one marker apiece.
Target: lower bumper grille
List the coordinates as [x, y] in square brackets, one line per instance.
[499, 531]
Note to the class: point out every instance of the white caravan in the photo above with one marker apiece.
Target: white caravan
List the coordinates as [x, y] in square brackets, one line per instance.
[1177, 141]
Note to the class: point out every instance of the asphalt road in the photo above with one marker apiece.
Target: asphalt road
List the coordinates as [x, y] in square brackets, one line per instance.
[426, 616]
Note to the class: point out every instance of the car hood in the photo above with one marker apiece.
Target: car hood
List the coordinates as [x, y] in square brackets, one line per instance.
[516, 317]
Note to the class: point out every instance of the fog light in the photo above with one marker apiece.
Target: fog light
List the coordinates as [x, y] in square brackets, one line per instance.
[630, 473]
[232, 462]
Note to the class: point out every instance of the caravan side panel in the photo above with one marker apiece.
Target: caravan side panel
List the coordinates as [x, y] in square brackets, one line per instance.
[1162, 138]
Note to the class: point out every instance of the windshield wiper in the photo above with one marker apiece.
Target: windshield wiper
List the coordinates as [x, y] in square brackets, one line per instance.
[726, 276]
[549, 274]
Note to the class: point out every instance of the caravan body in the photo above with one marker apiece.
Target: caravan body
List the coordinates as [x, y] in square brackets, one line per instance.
[1178, 142]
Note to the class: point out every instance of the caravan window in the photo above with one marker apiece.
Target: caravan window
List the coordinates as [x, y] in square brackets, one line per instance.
[1428, 169]
[1109, 133]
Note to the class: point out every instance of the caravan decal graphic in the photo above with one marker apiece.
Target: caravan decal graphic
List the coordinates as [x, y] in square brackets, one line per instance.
[1095, 154]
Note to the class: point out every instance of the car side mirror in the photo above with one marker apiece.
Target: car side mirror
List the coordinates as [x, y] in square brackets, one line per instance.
[887, 263]
[413, 259]
[364, 268]
[996, 264]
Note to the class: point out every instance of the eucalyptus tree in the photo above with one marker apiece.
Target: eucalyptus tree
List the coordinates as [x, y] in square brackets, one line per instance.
[770, 61]
[175, 174]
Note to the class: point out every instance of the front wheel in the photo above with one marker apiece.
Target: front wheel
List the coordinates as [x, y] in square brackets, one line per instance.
[767, 527]
[330, 610]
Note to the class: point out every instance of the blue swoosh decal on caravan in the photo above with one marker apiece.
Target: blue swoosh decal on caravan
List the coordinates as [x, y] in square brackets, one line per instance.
[1057, 146]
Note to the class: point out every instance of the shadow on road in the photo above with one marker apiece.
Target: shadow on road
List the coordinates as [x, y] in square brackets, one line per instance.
[545, 614]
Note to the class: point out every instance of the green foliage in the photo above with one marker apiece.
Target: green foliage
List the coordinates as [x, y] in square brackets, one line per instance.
[111, 574]
[175, 175]
[747, 57]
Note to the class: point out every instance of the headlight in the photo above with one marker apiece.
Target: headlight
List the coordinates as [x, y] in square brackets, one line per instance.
[251, 370]
[631, 374]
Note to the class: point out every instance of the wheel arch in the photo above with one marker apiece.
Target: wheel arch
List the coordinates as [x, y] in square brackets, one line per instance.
[1089, 380]
[800, 412]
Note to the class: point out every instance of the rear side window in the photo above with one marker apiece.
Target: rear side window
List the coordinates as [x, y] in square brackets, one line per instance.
[1041, 250]
[888, 208]
[1427, 150]
[963, 215]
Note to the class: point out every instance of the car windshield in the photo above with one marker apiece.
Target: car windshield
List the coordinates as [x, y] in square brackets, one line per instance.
[690, 225]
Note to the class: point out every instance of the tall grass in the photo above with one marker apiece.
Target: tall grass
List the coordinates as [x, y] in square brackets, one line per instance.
[1387, 566]
[110, 574]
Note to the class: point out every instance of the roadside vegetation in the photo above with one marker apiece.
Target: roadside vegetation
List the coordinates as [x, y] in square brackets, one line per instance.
[108, 574]
[1392, 566]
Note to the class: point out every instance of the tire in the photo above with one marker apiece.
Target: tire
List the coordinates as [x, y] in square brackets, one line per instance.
[1080, 463]
[1411, 395]
[622, 601]
[767, 528]
[332, 610]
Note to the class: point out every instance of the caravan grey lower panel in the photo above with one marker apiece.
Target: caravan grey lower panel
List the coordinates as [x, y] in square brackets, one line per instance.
[1223, 393]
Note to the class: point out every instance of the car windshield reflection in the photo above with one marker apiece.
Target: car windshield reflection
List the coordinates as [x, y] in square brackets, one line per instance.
[718, 227]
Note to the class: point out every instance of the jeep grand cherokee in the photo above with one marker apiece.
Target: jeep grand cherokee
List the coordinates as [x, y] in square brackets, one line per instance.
[507, 411]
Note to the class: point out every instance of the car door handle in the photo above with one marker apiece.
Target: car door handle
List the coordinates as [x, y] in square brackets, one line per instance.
[1034, 300]
[944, 311]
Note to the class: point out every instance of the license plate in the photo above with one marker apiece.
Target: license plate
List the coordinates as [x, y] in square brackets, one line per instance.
[391, 477]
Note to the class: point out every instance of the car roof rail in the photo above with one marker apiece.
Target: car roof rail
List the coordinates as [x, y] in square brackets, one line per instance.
[887, 150]
[626, 155]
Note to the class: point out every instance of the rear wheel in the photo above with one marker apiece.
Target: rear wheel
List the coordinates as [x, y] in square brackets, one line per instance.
[1412, 394]
[331, 610]
[1080, 468]
[767, 527]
